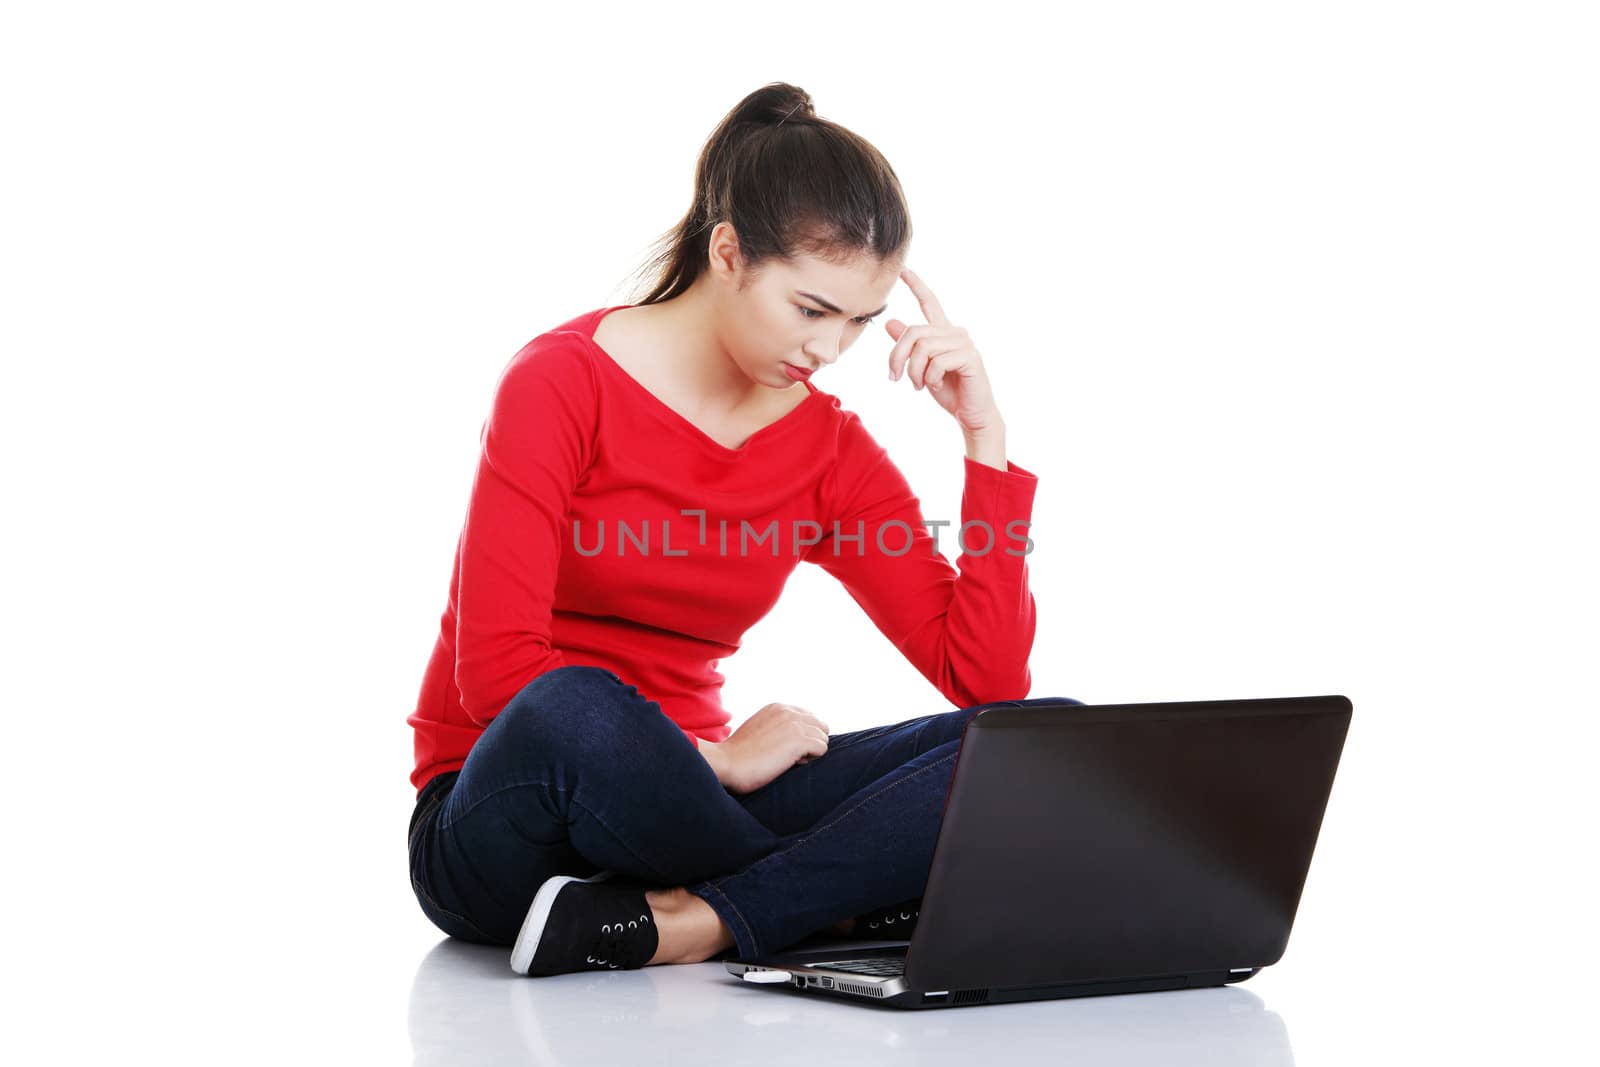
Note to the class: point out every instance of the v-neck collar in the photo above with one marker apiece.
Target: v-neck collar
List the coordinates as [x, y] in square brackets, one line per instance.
[672, 415]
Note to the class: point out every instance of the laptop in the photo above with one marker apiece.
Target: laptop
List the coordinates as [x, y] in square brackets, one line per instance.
[1096, 849]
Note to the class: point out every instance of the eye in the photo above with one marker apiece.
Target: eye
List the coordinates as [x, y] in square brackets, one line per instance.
[813, 313]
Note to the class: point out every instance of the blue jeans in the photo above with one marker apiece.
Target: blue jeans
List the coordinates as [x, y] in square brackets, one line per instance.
[581, 773]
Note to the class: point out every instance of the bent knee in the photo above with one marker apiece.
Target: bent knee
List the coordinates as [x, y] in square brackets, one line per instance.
[578, 681]
[578, 705]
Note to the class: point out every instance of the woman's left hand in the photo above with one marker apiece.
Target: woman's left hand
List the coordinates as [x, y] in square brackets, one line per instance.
[942, 358]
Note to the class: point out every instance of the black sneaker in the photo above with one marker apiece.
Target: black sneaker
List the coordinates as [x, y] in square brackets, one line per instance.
[883, 923]
[585, 924]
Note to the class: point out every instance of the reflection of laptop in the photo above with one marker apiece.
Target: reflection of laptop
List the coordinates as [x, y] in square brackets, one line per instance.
[1090, 849]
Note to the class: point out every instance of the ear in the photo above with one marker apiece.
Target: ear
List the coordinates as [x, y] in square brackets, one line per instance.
[722, 251]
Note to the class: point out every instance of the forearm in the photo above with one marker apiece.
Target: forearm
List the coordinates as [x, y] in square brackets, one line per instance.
[988, 446]
[716, 757]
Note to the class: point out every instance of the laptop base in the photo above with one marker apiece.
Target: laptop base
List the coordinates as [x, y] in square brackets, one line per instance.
[811, 978]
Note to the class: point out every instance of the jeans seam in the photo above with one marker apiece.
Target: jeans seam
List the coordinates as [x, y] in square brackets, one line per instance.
[443, 825]
[427, 897]
[814, 831]
[655, 872]
[749, 934]
[418, 858]
[856, 737]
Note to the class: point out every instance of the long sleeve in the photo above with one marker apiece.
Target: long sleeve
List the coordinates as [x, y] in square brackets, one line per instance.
[969, 632]
[536, 443]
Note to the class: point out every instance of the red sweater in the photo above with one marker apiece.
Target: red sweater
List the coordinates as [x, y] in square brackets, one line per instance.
[577, 455]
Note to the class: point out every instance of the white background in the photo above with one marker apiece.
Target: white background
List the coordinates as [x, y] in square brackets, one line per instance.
[1291, 308]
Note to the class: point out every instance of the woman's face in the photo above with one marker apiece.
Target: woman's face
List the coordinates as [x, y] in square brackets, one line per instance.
[803, 313]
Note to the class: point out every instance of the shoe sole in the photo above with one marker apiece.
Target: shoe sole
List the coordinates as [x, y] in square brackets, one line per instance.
[527, 946]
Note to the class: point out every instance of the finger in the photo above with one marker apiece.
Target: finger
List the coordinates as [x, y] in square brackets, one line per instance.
[930, 303]
[909, 340]
[902, 350]
[927, 352]
[918, 367]
[808, 725]
[941, 364]
[815, 721]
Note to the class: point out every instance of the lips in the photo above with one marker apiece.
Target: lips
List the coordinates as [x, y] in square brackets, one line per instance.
[796, 372]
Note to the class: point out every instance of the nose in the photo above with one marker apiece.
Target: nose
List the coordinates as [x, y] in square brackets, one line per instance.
[824, 353]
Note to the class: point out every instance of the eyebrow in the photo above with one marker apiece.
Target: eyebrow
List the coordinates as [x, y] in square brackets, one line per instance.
[834, 308]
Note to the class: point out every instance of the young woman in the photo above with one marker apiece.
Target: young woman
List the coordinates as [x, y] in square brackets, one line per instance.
[581, 797]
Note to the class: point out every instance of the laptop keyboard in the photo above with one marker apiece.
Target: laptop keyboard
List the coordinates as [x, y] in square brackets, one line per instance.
[886, 968]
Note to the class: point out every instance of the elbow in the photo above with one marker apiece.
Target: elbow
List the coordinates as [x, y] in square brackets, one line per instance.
[990, 687]
[1015, 687]
[483, 693]
[488, 683]
[1002, 685]
[975, 671]
[995, 668]
[476, 700]
[981, 676]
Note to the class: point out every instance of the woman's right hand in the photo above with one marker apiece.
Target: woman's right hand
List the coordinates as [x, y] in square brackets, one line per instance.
[769, 743]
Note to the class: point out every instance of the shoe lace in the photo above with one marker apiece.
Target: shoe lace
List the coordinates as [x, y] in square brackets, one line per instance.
[613, 940]
[906, 912]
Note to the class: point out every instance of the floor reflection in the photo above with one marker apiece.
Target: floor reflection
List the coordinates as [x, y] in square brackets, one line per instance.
[468, 1006]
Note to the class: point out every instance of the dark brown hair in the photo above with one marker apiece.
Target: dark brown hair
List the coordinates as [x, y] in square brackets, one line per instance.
[789, 183]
